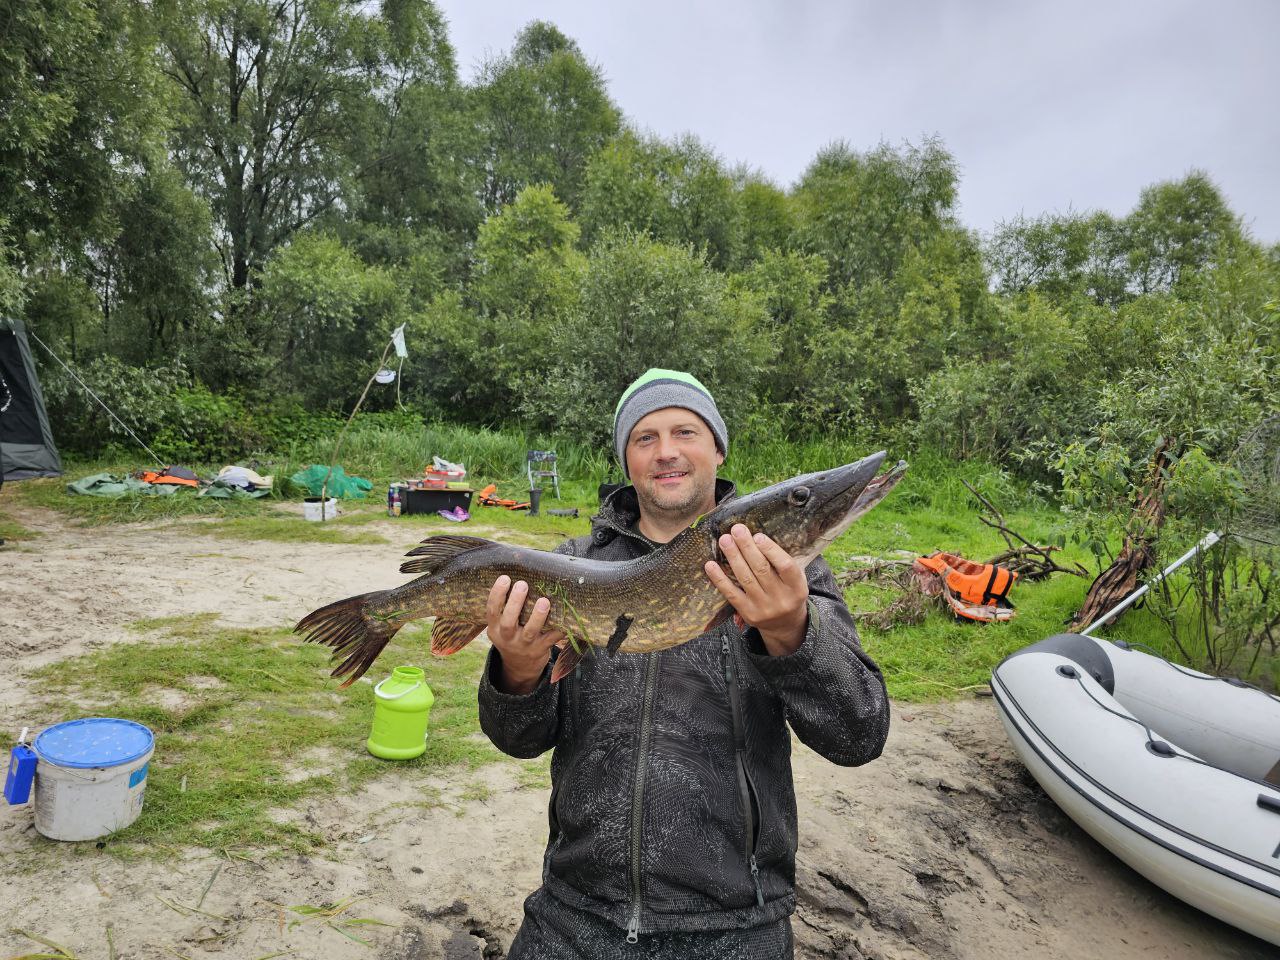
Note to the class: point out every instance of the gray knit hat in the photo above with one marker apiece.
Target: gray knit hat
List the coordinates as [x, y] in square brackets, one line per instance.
[656, 389]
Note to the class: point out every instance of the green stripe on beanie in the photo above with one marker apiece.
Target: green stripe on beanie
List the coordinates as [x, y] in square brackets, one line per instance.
[656, 389]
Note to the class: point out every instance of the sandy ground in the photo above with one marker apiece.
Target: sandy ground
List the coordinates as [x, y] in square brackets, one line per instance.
[943, 848]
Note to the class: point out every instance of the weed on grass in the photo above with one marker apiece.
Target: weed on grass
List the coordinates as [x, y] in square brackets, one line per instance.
[333, 916]
[252, 706]
[60, 952]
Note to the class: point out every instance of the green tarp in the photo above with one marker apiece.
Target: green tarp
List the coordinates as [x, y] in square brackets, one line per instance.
[109, 485]
[221, 490]
[340, 485]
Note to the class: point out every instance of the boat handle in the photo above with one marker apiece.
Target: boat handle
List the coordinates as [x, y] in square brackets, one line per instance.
[1269, 803]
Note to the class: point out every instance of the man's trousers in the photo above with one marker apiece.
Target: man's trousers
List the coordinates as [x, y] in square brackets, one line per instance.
[556, 931]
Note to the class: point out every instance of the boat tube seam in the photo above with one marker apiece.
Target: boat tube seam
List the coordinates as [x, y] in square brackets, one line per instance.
[1193, 674]
[1186, 854]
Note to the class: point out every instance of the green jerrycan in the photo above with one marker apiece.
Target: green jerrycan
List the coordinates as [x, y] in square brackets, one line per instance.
[401, 707]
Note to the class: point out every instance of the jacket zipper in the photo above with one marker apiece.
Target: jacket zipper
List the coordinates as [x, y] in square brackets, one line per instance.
[637, 796]
[739, 750]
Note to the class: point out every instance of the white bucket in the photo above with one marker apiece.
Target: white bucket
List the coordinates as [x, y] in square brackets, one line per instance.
[311, 508]
[90, 777]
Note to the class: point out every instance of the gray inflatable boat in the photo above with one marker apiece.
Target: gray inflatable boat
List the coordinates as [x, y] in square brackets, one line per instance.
[1175, 772]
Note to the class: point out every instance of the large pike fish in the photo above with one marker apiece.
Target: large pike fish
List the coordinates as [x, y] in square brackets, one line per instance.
[656, 601]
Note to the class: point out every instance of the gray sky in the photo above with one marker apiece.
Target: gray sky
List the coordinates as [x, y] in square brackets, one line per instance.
[1047, 106]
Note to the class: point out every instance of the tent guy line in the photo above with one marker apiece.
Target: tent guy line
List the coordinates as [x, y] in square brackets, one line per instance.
[95, 396]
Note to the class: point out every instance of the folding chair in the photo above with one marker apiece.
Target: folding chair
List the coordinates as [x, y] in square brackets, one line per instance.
[540, 464]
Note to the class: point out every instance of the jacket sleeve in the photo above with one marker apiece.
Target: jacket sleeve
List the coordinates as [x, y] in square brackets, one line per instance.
[834, 693]
[521, 725]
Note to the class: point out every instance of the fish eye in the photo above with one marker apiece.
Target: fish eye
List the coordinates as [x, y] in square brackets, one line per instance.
[799, 496]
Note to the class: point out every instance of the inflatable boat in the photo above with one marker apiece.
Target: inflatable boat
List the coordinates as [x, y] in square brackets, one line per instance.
[1175, 772]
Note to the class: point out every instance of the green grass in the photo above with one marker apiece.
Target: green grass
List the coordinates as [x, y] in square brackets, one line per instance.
[294, 529]
[52, 494]
[252, 721]
[11, 531]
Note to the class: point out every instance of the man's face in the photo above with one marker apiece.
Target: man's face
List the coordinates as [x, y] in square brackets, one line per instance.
[672, 460]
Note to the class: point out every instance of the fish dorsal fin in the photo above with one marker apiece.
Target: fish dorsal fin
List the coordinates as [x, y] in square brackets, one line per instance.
[435, 552]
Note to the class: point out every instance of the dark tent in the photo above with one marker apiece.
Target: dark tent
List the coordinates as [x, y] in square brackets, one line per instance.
[26, 445]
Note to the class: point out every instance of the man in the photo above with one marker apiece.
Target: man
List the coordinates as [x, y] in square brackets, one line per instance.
[672, 813]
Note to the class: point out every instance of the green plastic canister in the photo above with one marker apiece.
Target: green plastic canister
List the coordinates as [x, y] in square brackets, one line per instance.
[401, 707]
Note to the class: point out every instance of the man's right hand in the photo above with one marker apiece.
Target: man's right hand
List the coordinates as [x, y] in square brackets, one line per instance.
[524, 650]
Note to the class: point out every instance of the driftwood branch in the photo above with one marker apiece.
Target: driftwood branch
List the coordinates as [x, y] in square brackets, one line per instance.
[1028, 560]
[1139, 549]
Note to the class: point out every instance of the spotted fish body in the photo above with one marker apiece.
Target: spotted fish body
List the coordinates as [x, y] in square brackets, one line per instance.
[653, 602]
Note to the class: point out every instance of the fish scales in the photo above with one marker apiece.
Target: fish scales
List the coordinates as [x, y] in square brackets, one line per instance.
[663, 593]
[653, 602]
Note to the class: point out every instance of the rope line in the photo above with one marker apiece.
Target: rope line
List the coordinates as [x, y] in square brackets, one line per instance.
[96, 397]
[1151, 738]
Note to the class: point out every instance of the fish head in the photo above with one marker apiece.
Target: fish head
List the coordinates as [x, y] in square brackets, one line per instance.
[805, 514]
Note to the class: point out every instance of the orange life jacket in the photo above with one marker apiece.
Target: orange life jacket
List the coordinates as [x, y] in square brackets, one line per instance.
[975, 591]
[488, 498]
[164, 476]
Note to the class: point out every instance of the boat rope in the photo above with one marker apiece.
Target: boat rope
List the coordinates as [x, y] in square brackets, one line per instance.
[1233, 681]
[1152, 739]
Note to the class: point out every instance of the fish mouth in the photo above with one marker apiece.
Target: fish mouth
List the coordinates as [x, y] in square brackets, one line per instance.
[866, 494]
[806, 514]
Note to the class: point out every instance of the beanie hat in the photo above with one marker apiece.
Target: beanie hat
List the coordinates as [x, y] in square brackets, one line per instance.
[656, 389]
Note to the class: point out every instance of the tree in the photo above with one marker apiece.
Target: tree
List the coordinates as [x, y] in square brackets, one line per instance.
[1063, 256]
[324, 317]
[154, 277]
[767, 214]
[677, 192]
[648, 304]
[271, 93]
[525, 285]
[78, 109]
[415, 141]
[1177, 228]
[862, 212]
[791, 290]
[543, 110]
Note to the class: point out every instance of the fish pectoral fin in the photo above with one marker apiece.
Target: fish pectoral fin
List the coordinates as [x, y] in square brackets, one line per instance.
[567, 660]
[435, 552]
[620, 628]
[726, 612]
[450, 636]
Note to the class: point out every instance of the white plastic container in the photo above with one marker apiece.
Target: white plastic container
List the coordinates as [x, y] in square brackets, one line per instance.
[91, 775]
[311, 508]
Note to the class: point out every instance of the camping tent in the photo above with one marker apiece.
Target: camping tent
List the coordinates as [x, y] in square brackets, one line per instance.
[26, 445]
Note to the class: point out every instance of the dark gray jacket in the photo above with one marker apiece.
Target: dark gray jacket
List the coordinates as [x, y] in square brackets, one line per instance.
[672, 804]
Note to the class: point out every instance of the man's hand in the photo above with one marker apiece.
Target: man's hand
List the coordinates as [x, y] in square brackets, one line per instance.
[772, 592]
[526, 649]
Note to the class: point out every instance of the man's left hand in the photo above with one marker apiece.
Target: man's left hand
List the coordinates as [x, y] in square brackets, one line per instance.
[771, 593]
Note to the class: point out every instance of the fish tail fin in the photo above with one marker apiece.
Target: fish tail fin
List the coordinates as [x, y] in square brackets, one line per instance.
[356, 636]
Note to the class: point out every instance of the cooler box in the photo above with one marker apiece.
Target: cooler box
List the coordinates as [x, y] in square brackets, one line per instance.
[430, 501]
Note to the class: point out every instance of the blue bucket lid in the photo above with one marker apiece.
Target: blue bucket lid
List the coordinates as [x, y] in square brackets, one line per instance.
[93, 742]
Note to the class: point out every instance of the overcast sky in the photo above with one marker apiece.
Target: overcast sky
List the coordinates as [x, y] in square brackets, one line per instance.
[1047, 106]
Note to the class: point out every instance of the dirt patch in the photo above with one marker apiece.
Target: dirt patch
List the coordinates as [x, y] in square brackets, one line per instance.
[942, 848]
